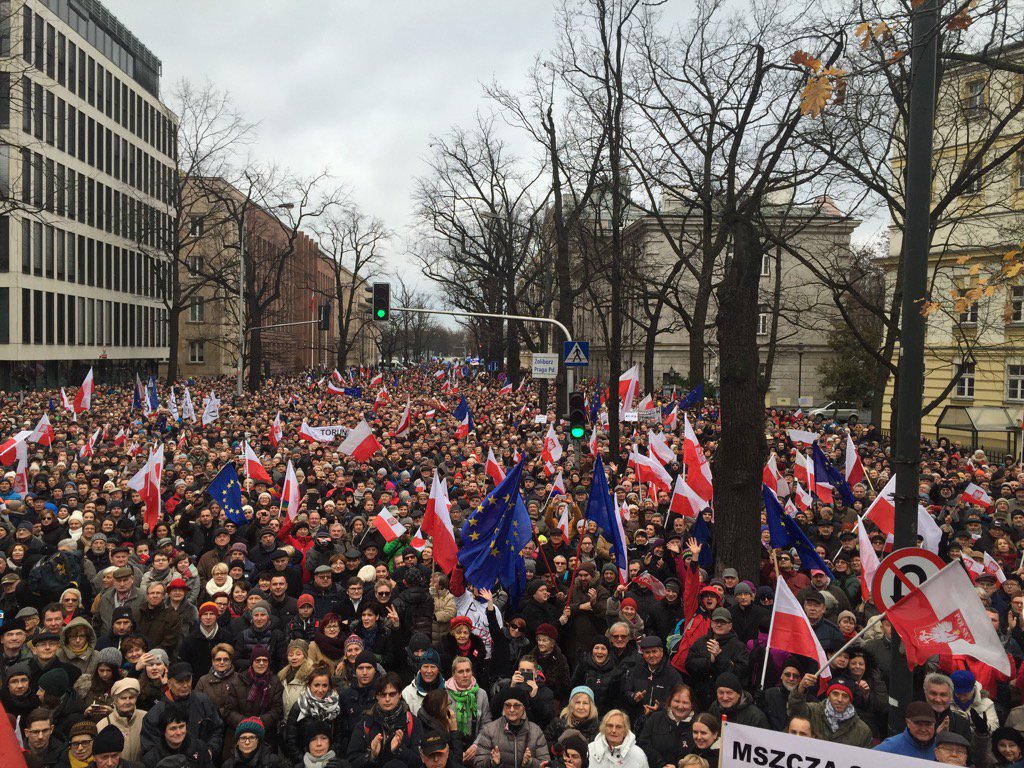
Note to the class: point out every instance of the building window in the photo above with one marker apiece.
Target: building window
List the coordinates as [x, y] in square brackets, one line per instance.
[766, 265]
[195, 265]
[965, 383]
[196, 310]
[195, 225]
[974, 98]
[972, 186]
[1017, 304]
[1020, 170]
[968, 314]
[762, 322]
[1015, 382]
[196, 351]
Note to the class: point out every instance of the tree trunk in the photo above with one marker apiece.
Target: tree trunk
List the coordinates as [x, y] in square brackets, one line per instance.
[650, 340]
[173, 338]
[742, 449]
[255, 350]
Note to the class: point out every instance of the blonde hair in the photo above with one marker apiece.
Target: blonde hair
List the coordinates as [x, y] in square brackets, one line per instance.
[613, 713]
[693, 761]
[219, 568]
[567, 715]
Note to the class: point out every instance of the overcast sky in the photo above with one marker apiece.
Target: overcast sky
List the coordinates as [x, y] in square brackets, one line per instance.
[355, 87]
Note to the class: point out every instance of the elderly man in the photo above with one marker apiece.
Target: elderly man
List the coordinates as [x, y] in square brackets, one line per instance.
[157, 621]
[204, 722]
[126, 718]
[835, 719]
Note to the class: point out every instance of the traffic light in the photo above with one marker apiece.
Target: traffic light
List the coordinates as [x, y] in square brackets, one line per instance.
[381, 302]
[577, 415]
[323, 318]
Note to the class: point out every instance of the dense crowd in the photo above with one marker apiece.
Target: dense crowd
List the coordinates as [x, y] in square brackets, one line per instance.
[309, 640]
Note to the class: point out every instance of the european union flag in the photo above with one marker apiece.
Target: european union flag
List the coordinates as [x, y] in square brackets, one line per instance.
[786, 533]
[226, 491]
[693, 397]
[494, 535]
[154, 401]
[603, 510]
[835, 478]
[356, 392]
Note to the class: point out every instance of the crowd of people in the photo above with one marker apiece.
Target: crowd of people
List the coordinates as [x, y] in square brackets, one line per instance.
[308, 639]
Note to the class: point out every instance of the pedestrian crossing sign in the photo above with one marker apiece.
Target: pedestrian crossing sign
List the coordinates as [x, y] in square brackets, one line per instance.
[576, 354]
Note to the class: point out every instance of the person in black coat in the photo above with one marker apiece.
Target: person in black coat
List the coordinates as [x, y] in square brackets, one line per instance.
[260, 632]
[204, 721]
[537, 608]
[650, 681]
[319, 707]
[665, 613]
[388, 731]
[197, 647]
[667, 735]
[176, 737]
[599, 672]
[718, 652]
[776, 698]
[460, 641]
[748, 619]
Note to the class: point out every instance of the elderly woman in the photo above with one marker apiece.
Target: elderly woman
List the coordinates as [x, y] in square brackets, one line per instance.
[835, 719]
[294, 675]
[667, 735]
[224, 687]
[615, 745]
[262, 694]
[511, 741]
[328, 646]
[579, 714]
[219, 581]
[251, 750]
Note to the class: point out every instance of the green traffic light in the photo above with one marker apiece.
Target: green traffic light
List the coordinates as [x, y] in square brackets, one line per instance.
[381, 314]
[577, 433]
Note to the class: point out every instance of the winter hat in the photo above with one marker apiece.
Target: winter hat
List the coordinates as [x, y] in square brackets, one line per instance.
[582, 689]
[459, 621]
[305, 599]
[251, 725]
[547, 630]
[839, 687]
[354, 640]
[109, 656]
[628, 602]
[317, 727]
[430, 656]
[261, 605]
[208, 607]
[123, 612]
[730, 681]
[110, 739]
[82, 728]
[418, 642]
[365, 657]
[963, 681]
[301, 644]
[55, 682]
[573, 739]
[259, 652]
[160, 655]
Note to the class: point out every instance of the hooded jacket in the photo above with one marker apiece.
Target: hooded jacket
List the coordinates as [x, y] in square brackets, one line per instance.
[84, 660]
[696, 619]
[626, 755]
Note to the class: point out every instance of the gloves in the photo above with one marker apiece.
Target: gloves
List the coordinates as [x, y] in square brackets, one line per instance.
[978, 721]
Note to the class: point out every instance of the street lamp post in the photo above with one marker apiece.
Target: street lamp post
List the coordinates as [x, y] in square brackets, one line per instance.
[799, 373]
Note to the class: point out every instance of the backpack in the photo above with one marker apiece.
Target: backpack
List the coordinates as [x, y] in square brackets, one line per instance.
[55, 574]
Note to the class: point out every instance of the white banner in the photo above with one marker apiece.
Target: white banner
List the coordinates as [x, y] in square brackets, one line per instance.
[328, 433]
[803, 436]
[746, 747]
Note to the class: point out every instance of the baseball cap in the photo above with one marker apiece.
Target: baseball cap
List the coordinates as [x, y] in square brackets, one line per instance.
[721, 614]
[433, 742]
[918, 711]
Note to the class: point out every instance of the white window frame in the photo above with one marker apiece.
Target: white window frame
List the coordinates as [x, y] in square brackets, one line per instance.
[1020, 170]
[197, 352]
[197, 310]
[974, 97]
[196, 225]
[766, 265]
[964, 389]
[763, 323]
[1015, 382]
[1017, 304]
[195, 264]
[974, 185]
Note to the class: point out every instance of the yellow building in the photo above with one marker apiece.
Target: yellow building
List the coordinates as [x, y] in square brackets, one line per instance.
[974, 351]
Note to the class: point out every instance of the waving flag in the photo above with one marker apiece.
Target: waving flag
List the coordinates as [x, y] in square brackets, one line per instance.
[388, 525]
[506, 390]
[211, 409]
[882, 511]
[791, 630]
[698, 471]
[254, 468]
[382, 398]
[820, 485]
[187, 409]
[227, 493]
[646, 404]
[991, 567]
[493, 538]
[147, 482]
[684, 501]
[658, 447]
[90, 445]
[439, 374]
[83, 398]
[868, 560]
[693, 397]
[650, 470]
[172, 406]
[137, 395]
[854, 468]
[335, 388]
[314, 434]
[668, 420]
[43, 433]
[437, 523]
[652, 583]
[377, 380]
[465, 418]
[592, 443]
[404, 422]
[629, 385]
[975, 494]
[291, 497]
[360, 443]
[9, 447]
[493, 469]
[276, 431]
[800, 469]
[120, 437]
[771, 477]
[786, 533]
[67, 405]
[417, 541]
[552, 450]
[154, 401]
[602, 509]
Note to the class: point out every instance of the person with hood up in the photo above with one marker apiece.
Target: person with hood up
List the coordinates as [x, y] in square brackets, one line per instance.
[738, 705]
[834, 719]
[615, 745]
[511, 740]
[698, 604]
[428, 678]
[78, 645]
[599, 672]
[388, 732]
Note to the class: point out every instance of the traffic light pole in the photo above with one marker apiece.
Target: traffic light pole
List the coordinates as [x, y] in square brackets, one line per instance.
[569, 375]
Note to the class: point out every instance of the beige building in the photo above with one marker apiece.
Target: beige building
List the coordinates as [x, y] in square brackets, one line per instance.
[86, 170]
[795, 315]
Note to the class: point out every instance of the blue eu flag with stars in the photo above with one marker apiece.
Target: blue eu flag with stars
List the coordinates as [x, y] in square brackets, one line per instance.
[494, 535]
[226, 491]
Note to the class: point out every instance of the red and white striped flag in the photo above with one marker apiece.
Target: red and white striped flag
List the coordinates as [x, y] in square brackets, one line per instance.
[803, 498]
[417, 541]
[404, 423]
[388, 525]
[791, 630]
[772, 477]
[147, 482]
[83, 398]
[493, 469]
[120, 437]
[437, 524]
[629, 385]
[506, 390]
[377, 380]
[800, 468]
[882, 511]
[698, 471]
[868, 560]
[992, 568]
[976, 495]
[684, 501]
[43, 434]
[90, 445]
[659, 448]
[649, 581]
[276, 431]
[360, 443]
[854, 467]
[254, 469]
[592, 444]
[650, 470]
[290, 495]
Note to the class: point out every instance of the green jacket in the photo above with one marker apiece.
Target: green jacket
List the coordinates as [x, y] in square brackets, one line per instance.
[854, 732]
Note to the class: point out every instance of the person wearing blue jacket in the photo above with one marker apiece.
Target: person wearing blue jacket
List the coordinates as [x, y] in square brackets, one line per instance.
[918, 738]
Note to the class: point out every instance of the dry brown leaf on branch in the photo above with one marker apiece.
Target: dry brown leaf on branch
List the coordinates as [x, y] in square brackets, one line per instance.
[961, 260]
[881, 31]
[863, 31]
[916, 3]
[929, 308]
[975, 269]
[990, 291]
[896, 56]
[815, 95]
[960, 22]
[804, 59]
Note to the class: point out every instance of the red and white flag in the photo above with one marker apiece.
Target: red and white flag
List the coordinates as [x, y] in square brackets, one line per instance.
[377, 380]
[66, 404]
[771, 477]
[868, 561]
[506, 390]
[493, 469]
[335, 388]
[89, 447]
[360, 443]
[120, 437]
[437, 523]
[658, 446]
[552, 450]
[973, 567]
[290, 492]
[254, 469]
[944, 617]
[650, 470]
[316, 434]
[382, 398]
[976, 495]
[9, 447]
[882, 511]
[646, 404]
[522, 384]
[800, 468]
[417, 541]
[649, 581]
[388, 525]
[592, 444]
[442, 407]
[83, 398]
[684, 501]
[439, 374]
[992, 568]
[803, 498]
[276, 431]
[147, 482]
[404, 423]
[629, 385]
[43, 433]
[791, 630]
[698, 471]
[669, 422]
[558, 486]
[854, 467]
[182, 441]
[430, 414]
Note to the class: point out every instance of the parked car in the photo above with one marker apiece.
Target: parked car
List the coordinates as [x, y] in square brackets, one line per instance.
[839, 411]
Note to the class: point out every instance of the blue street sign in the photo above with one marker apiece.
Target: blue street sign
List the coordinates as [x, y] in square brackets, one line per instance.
[576, 354]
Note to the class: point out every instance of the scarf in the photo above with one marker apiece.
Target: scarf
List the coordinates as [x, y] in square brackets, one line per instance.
[259, 689]
[836, 719]
[222, 675]
[308, 761]
[465, 705]
[333, 649]
[209, 633]
[326, 708]
[395, 720]
[423, 687]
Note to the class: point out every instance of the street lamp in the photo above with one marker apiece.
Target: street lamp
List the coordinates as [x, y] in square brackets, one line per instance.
[241, 289]
[799, 373]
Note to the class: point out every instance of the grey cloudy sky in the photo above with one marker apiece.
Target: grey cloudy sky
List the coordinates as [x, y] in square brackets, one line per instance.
[355, 87]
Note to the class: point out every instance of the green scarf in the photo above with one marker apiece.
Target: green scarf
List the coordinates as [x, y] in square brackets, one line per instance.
[465, 706]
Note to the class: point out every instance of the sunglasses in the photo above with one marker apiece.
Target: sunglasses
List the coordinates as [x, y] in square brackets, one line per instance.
[383, 594]
[517, 626]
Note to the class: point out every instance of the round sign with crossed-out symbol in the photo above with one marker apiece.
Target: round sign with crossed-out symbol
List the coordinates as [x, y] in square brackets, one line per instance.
[902, 571]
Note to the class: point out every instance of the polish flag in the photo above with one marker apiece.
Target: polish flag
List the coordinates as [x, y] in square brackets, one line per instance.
[593, 441]
[798, 413]
[276, 431]
[522, 384]
[147, 482]
[868, 561]
[90, 445]
[506, 390]
[684, 501]
[557, 487]
[106, 432]
[334, 388]
[120, 437]
[360, 443]
[404, 423]
[314, 384]
[646, 404]
[493, 469]
[800, 468]
[791, 630]
[43, 433]
[83, 398]
[437, 524]
[431, 413]
[944, 617]
[652, 583]
[976, 495]
[417, 541]
[992, 568]
[516, 456]
[698, 471]
[552, 450]
[817, 476]
[67, 405]
[290, 496]
[882, 511]
[649, 470]
[337, 376]
[9, 447]
[669, 422]
[563, 521]
[382, 398]
[854, 468]
[388, 526]
[254, 470]
[629, 385]
[771, 477]
[442, 407]
[973, 567]
[377, 380]
[311, 435]
[439, 374]
[803, 498]
[658, 447]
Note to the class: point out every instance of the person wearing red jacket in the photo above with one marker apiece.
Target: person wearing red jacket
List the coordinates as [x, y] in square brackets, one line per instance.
[698, 604]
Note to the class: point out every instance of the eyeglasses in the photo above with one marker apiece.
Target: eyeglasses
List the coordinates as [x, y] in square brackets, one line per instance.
[81, 744]
[388, 694]
[383, 594]
[248, 737]
[517, 626]
[513, 705]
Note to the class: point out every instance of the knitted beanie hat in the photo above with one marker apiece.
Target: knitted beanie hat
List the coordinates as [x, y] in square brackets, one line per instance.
[251, 725]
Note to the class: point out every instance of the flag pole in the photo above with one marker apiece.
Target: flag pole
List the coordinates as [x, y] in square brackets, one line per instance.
[870, 623]
[768, 645]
